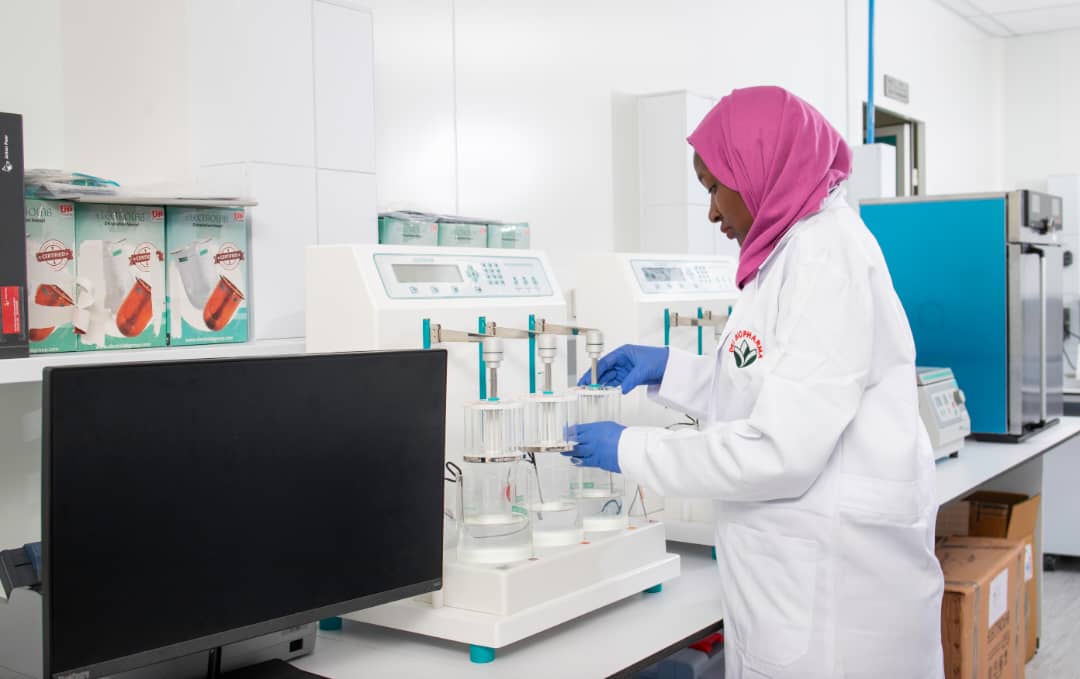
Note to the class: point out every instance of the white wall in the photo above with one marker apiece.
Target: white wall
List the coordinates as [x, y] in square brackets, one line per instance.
[543, 94]
[125, 79]
[1041, 108]
[954, 70]
[545, 109]
[31, 80]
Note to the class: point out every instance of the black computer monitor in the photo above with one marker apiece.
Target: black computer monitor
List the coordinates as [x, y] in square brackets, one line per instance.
[188, 505]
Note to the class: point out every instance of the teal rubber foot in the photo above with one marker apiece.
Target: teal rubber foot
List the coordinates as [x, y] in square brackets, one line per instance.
[481, 654]
[330, 624]
[655, 589]
[714, 553]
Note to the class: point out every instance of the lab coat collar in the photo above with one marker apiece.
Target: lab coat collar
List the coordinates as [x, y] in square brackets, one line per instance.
[831, 201]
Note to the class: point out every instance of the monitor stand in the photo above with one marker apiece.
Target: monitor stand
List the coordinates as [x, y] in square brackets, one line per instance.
[271, 669]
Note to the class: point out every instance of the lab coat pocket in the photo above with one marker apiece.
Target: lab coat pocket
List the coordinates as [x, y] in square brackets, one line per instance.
[874, 500]
[771, 596]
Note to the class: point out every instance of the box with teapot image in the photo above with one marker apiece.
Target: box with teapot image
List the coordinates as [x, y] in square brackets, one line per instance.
[120, 258]
[207, 275]
[50, 275]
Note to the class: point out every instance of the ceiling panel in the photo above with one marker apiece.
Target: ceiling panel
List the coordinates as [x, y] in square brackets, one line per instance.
[1004, 18]
[962, 7]
[991, 25]
[998, 6]
[1040, 20]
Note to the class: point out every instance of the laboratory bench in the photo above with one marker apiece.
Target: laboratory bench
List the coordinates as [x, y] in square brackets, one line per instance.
[625, 637]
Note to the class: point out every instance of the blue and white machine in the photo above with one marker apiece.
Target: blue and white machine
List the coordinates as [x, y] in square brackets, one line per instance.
[980, 277]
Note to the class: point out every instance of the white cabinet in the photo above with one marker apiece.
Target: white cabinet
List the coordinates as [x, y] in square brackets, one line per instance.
[346, 207]
[251, 81]
[282, 109]
[674, 206]
[344, 81]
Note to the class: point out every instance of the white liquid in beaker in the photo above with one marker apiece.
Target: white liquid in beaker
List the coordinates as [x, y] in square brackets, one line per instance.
[495, 538]
[556, 523]
[602, 508]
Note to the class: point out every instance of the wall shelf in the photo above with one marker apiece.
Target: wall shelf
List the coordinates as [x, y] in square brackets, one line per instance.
[22, 370]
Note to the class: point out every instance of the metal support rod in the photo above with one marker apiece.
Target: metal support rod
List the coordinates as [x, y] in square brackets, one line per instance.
[1042, 336]
[706, 320]
[545, 327]
[595, 371]
[493, 384]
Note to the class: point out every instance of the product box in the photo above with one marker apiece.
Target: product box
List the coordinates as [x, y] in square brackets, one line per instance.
[120, 257]
[1014, 516]
[14, 337]
[463, 235]
[406, 228]
[1030, 609]
[982, 628]
[50, 275]
[510, 236]
[207, 270]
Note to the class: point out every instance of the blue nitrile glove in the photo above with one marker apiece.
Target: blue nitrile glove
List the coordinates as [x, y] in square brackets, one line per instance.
[597, 445]
[629, 366]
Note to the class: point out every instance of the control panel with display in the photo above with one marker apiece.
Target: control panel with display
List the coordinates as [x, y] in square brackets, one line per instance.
[452, 276]
[941, 406]
[676, 276]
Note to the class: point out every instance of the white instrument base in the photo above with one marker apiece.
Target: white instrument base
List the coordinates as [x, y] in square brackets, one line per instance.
[537, 594]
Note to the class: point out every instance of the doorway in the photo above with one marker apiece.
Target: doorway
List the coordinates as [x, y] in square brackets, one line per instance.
[908, 137]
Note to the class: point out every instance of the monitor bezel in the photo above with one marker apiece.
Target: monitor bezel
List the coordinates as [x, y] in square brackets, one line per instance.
[211, 641]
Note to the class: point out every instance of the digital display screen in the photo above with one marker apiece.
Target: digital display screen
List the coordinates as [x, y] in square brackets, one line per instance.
[427, 273]
[662, 274]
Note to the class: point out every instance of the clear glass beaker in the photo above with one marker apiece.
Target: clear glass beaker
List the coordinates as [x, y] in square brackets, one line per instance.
[494, 527]
[601, 494]
[551, 482]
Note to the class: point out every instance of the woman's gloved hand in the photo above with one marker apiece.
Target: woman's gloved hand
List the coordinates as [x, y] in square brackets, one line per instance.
[597, 445]
[629, 366]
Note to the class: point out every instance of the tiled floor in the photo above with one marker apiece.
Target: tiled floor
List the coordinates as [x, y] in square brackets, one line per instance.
[1059, 645]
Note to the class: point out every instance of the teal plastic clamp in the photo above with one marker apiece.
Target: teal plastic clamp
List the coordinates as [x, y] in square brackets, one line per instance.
[532, 354]
[426, 329]
[330, 624]
[655, 589]
[482, 327]
[700, 349]
[481, 654]
[714, 553]
[667, 327]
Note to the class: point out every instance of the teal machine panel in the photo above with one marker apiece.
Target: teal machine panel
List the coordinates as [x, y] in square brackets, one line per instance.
[948, 261]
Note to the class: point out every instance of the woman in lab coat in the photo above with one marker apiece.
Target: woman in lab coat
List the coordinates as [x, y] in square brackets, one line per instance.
[810, 439]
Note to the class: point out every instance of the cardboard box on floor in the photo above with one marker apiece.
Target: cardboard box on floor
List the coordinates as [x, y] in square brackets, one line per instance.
[992, 514]
[982, 630]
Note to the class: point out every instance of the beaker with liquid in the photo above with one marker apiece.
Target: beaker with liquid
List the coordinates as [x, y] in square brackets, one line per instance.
[551, 478]
[601, 494]
[494, 526]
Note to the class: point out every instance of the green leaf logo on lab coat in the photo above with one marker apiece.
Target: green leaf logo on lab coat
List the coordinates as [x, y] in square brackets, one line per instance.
[745, 349]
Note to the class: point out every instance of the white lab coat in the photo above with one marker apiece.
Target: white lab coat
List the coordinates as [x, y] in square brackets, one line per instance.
[822, 471]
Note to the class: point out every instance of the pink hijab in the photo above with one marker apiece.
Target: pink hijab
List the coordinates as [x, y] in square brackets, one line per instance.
[780, 154]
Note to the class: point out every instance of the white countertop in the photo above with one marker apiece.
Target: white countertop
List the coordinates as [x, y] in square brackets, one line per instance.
[599, 644]
[980, 461]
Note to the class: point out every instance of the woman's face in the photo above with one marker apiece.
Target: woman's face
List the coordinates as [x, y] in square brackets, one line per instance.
[726, 206]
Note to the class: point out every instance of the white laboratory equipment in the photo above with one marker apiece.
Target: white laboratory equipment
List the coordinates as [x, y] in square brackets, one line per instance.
[477, 303]
[659, 299]
[941, 406]
[553, 479]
